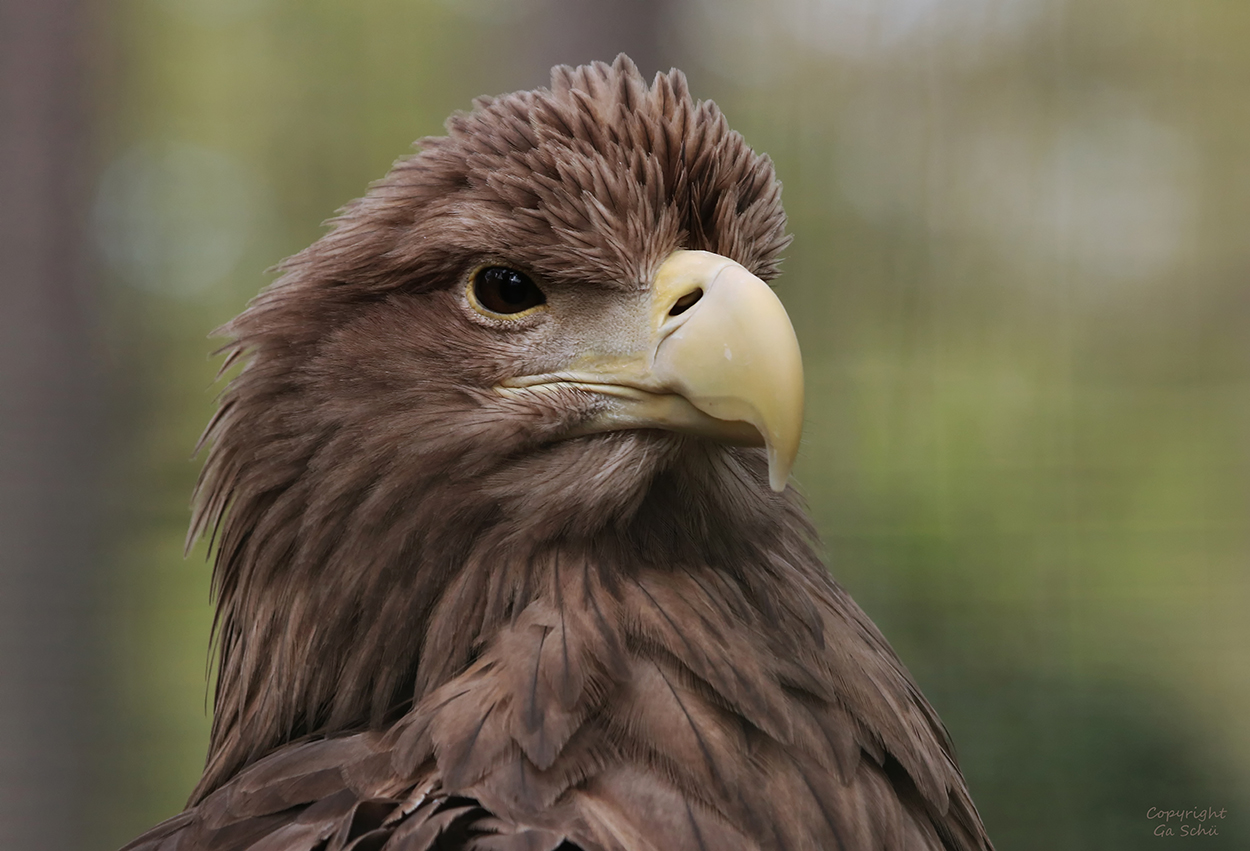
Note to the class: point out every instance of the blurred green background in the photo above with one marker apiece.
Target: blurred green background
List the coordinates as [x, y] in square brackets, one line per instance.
[1020, 280]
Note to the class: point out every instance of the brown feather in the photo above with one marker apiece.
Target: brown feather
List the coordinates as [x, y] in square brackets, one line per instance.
[441, 626]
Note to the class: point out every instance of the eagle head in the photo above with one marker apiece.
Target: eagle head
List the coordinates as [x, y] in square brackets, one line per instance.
[505, 550]
[551, 322]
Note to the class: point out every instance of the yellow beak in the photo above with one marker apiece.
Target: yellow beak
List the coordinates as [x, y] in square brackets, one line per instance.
[717, 357]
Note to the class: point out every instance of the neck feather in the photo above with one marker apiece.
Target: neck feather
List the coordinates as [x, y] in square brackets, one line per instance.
[333, 617]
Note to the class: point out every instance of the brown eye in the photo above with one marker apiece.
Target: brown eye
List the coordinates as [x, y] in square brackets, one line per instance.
[505, 291]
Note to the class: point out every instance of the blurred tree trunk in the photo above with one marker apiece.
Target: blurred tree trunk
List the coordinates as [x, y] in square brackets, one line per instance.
[49, 428]
[573, 32]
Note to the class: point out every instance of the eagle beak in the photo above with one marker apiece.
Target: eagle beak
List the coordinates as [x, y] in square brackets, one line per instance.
[726, 345]
[711, 353]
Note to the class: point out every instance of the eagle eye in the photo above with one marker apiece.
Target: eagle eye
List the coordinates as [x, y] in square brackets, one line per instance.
[501, 291]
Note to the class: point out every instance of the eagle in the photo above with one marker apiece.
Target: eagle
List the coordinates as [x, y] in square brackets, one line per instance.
[505, 552]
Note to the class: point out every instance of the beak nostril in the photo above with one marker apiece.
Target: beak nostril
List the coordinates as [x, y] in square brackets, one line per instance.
[686, 302]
